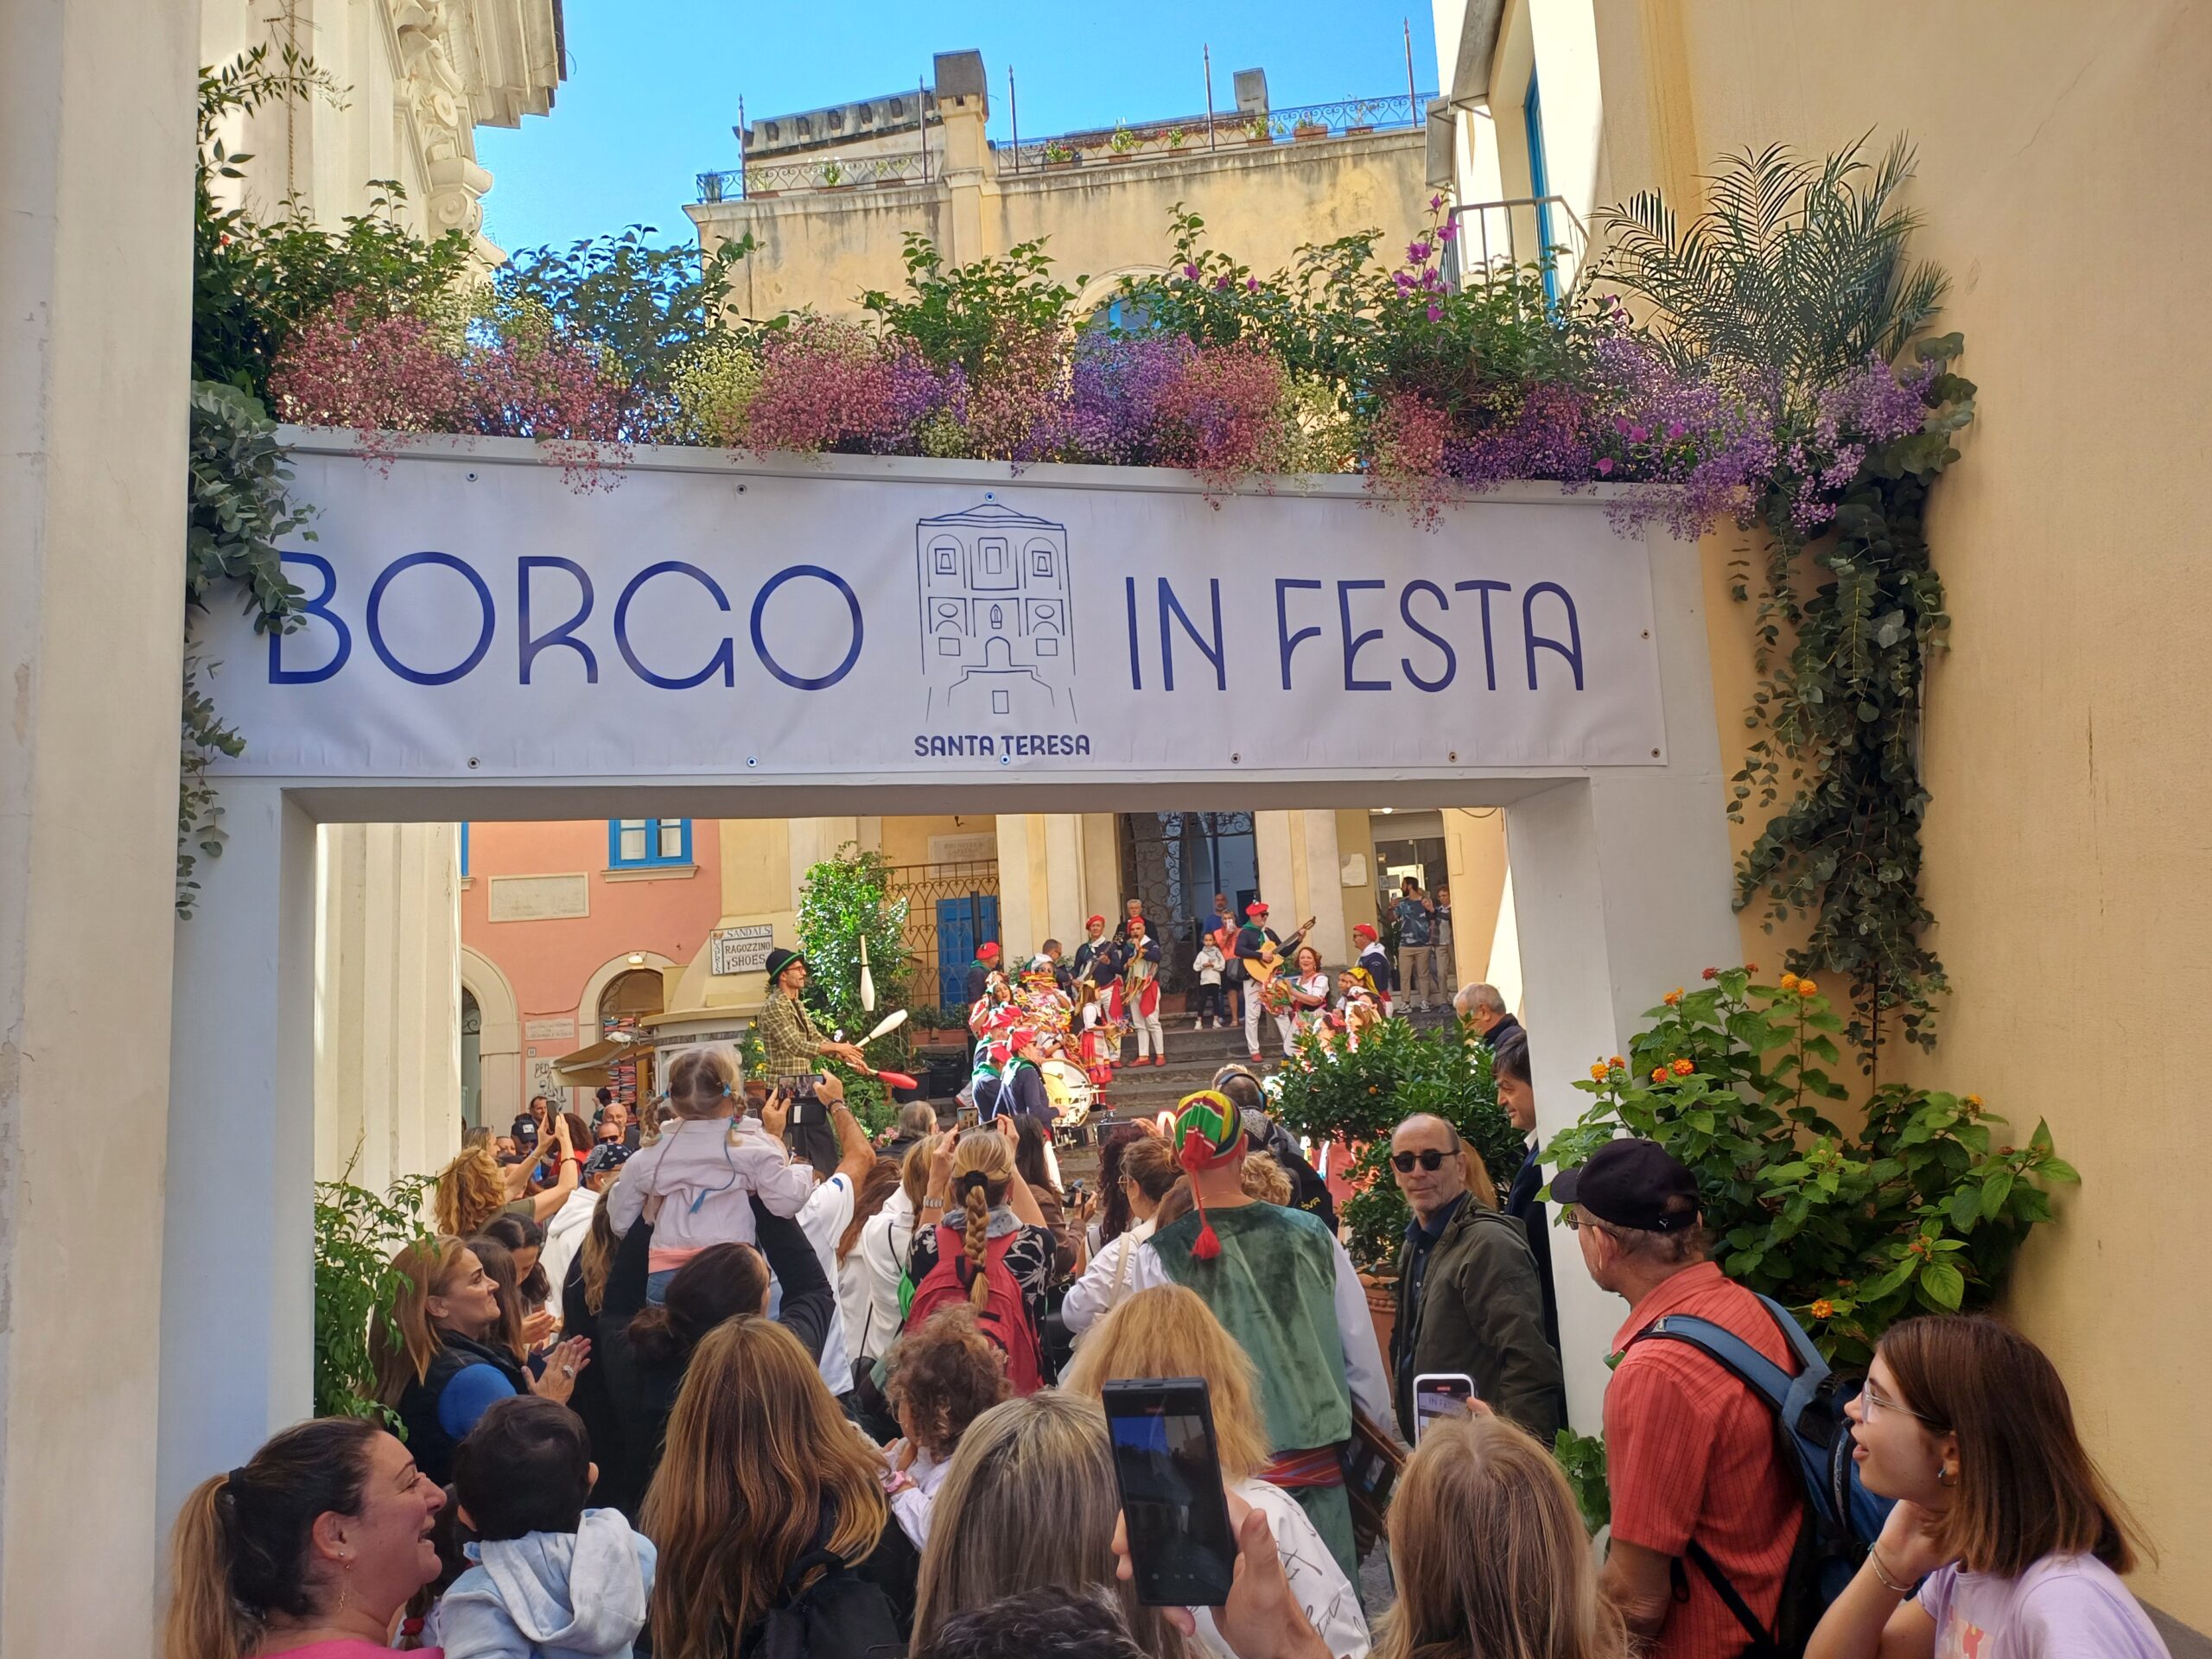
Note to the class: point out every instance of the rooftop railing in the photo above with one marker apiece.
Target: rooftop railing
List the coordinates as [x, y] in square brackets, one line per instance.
[1225, 129]
[828, 173]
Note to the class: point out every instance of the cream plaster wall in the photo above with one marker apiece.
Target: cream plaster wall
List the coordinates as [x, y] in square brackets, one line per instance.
[2065, 739]
[96, 124]
[825, 248]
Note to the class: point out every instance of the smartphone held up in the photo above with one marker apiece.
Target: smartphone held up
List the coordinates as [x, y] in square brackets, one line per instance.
[1167, 1463]
[1439, 1395]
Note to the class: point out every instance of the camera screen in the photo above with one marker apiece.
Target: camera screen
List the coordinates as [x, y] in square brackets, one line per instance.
[1170, 1477]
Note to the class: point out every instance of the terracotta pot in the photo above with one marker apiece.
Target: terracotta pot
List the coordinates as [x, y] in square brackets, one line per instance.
[1382, 1307]
[1309, 132]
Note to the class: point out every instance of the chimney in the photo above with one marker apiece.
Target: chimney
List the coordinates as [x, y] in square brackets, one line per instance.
[1252, 92]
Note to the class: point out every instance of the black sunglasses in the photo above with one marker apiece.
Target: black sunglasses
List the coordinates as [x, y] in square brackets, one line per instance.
[1428, 1157]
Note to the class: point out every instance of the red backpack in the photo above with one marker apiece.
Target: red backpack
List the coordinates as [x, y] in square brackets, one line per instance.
[1004, 1316]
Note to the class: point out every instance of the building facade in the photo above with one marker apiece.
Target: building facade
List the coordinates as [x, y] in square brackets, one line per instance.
[2056, 846]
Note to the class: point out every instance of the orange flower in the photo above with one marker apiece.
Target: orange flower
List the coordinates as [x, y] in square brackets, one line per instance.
[1658, 1074]
[1674, 998]
[1974, 1101]
[1711, 973]
[1683, 1068]
[1751, 967]
[1823, 1309]
[1617, 1064]
[1790, 981]
[1805, 988]
[1598, 1071]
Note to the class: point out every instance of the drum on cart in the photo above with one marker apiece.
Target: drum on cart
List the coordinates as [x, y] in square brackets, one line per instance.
[1072, 1094]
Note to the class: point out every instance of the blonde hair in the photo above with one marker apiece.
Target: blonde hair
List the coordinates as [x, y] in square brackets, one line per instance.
[1529, 1592]
[914, 1173]
[402, 1336]
[757, 1453]
[1029, 1502]
[1264, 1178]
[470, 1191]
[985, 1153]
[702, 1083]
[1168, 1331]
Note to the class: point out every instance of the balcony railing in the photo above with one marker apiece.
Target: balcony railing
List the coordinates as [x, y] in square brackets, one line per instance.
[1227, 130]
[1521, 230]
[830, 173]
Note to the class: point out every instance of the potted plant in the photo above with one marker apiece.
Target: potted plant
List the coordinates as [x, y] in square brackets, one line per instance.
[833, 177]
[1175, 138]
[1258, 130]
[1058, 155]
[1123, 141]
[1305, 129]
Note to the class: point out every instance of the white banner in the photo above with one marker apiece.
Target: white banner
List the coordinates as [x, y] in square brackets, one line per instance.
[471, 617]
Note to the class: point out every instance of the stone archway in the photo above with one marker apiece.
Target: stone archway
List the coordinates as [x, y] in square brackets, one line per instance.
[500, 1045]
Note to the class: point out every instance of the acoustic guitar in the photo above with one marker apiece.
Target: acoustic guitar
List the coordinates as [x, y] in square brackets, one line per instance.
[1269, 963]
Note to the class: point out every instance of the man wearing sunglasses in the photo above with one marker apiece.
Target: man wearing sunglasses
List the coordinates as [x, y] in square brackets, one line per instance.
[1468, 1296]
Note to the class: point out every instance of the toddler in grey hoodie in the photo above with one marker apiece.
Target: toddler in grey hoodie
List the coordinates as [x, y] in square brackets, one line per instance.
[552, 1579]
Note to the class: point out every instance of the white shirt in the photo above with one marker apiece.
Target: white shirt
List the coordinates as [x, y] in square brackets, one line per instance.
[564, 1236]
[1364, 1371]
[1109, 1279]
[883, 1249]
[912, 1504]
[1317, 1583]
[823, 1217]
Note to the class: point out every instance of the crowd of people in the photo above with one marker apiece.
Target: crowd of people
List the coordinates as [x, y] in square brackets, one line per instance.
[702, 1387]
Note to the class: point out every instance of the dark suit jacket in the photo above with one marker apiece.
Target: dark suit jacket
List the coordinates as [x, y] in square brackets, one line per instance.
[1508, 1023]
[1521, 1203]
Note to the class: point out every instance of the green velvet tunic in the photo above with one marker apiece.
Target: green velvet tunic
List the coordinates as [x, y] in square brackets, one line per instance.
[1274, 1288]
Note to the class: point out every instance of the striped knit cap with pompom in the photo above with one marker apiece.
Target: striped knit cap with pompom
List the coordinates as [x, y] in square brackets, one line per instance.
[1209, 1132]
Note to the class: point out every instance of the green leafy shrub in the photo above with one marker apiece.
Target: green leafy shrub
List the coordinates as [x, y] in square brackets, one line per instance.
[1360, 1095]
[356, 1236]
[843, 900]
[1921, 1208]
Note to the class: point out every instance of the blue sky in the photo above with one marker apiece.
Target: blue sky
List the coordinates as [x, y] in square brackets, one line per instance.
[653, 84]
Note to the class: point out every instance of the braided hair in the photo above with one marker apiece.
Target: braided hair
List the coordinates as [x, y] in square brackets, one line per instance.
[983, 1167]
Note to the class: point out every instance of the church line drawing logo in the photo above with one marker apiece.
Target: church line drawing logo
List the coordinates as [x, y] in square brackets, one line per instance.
[997, 641]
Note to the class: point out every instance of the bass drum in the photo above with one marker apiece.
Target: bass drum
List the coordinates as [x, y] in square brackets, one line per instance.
[1072, 1093]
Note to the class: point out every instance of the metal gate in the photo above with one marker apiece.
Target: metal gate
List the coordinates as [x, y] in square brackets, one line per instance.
[951, 909]
[1174, 863]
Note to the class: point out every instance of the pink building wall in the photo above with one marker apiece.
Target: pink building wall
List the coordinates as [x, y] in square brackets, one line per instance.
[554, 967]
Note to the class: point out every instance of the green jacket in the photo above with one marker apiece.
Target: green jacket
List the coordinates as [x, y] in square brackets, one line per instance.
[1482, 1312]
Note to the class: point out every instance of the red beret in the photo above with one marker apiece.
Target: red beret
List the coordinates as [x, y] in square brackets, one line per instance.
[1255, 908]
[1096, 921]
[1364, 931]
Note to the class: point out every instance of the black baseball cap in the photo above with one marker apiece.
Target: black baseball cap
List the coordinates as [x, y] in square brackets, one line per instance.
[1632, 1183]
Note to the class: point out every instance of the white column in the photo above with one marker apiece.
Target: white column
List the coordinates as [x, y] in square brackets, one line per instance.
[96, 135]
[1325, 895]
[387, 1006]
[1621, 885]
[1062, 914]
[237, 1260]
[1018, 901]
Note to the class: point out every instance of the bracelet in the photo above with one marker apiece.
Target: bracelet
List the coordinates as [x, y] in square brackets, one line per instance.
[932, 1204]
[1881, 1572]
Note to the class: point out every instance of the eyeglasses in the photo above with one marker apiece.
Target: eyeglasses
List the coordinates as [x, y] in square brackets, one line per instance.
[1428, 1157]
[1874, 1403]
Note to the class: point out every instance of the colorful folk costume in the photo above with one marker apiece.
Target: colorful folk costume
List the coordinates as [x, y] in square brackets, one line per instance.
[1134, 999]
[1269, 1274]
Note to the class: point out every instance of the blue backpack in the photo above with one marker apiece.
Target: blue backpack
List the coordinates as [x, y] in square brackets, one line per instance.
[1842, 1518]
